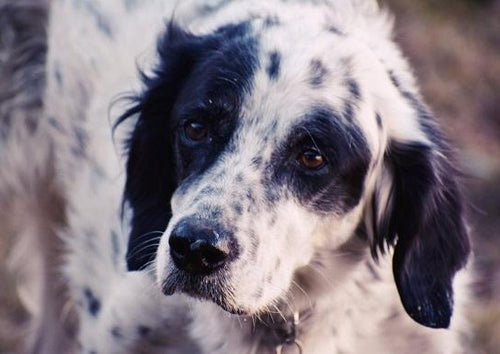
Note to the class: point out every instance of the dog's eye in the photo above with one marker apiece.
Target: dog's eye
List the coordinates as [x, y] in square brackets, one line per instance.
[196, 131]
[311, 159]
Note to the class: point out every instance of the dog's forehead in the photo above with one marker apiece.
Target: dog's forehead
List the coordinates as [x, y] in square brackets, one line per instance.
[295, 75]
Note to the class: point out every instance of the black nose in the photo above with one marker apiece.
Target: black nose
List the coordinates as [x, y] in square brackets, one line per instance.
[200, 249]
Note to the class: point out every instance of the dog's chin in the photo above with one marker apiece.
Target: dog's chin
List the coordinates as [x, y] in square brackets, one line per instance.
[209, 288]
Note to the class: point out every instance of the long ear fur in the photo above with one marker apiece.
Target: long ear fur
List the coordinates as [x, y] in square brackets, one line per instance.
[151, 176]
[418, 207]
[150, 171]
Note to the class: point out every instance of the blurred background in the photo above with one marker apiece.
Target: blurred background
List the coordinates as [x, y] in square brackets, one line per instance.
[454, 48]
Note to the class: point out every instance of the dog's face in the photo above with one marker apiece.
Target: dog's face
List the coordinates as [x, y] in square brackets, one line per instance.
[260, 148]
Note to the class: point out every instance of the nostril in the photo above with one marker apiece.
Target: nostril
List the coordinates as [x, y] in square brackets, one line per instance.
[210, 256]
[179, 246]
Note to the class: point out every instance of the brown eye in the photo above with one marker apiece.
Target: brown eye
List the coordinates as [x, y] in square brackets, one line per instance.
[311, 159]
[196, 131]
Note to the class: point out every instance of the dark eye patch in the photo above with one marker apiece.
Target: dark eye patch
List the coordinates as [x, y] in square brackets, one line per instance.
[216, 117]
[200, 136]
[338, 185]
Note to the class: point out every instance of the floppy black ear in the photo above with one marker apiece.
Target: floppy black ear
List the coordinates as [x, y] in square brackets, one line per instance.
[423, 215]
[150, 180]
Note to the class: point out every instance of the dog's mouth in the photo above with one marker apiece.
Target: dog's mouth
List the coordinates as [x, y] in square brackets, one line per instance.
[205, 287]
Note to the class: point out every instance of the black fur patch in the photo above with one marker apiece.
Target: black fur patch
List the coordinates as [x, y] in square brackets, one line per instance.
[273, 69]
[238, 208]
[102, 22]
[116, 332]
[348, 112]
[144, 330]
[334, 30]
[339, 184]
[425, 218]
[200, 78]
[93, 303]
[58, 75]
[379, 120]
[317, 72]
[353, 87]
[271, 21]
[257, 161]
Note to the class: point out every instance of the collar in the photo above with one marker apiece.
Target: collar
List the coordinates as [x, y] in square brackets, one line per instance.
[282, 332]
[288, 334]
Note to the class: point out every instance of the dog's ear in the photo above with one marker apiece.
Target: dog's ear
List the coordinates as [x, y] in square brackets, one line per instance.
[150, 180]
[418, 208]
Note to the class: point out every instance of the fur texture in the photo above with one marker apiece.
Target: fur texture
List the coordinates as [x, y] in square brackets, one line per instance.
[278, 159]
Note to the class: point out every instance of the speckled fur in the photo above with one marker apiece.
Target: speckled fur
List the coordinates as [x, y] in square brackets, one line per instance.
[293, 257]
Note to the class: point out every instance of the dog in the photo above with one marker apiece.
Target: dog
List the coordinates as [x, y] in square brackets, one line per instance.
[283, 186]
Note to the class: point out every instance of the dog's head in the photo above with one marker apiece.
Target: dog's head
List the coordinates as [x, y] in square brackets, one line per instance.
[261, 148]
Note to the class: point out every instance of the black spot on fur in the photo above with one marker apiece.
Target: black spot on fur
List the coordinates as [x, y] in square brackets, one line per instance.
[254, 245]
[250, 196]
[93, 303]
[238, 208]
[394, 80]
[334, 30]
[102, 22]
[273, 69]
[348, 112]
[273, 127]
[116, 332]
[257, 161]
[379, 121]
[79, 143]
[271, 21]
[210, 8]
[213, 212]
[58, 75]
[374, 272]
[353, 87]
[317, 72]
[271, 195]
[209, 190]
[144, 331]
[199, 78]
[56, 124]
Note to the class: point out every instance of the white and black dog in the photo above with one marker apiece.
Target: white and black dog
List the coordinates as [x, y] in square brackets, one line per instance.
[280, 168]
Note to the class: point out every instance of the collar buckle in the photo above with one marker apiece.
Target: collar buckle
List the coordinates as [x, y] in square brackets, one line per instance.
[289, 338]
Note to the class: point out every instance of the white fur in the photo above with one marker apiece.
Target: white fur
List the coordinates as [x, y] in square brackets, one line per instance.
[355, 311]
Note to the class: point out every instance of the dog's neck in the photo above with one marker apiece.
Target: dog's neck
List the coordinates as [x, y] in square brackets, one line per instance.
[283, 332]
[316, 307]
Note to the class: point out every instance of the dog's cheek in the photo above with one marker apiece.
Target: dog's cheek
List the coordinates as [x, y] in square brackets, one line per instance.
[282, 245]
[332, 231]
